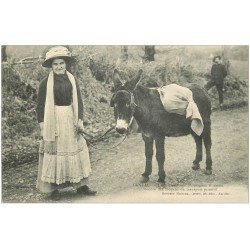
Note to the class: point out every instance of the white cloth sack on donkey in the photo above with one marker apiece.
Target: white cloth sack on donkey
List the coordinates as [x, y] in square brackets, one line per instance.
[179, 100]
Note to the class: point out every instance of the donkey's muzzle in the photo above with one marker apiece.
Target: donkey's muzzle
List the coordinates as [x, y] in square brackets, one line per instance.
[121, 126]
[121, 130]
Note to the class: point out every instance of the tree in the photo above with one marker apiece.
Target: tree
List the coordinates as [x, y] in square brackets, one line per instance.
[124, 53]
[149, 55]
[4, 54]
[225, 59]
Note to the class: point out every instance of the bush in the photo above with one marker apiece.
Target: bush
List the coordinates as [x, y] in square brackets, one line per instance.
[20, 131]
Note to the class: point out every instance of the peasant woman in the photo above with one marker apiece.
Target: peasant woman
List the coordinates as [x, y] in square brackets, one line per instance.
[63, 153]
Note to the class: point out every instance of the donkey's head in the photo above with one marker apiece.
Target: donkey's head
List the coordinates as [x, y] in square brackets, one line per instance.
[123, 101]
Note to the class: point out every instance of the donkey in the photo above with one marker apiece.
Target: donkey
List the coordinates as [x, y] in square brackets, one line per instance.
[133, 100]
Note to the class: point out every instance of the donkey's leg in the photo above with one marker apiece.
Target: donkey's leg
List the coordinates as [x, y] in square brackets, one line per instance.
[198, 157]
[160, 156]
[149, 154]
[208, 145]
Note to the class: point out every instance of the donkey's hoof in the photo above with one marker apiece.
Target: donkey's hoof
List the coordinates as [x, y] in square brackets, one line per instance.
[144, 179]
[196, 167]
[208, 172]
[161, 181]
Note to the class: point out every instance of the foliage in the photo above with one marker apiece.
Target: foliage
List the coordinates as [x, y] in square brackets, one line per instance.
[95, 65]
[18, 118]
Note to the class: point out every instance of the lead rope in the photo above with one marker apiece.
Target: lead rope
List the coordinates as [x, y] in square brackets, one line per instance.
[132, 102]
[83, 134]
[114, 146]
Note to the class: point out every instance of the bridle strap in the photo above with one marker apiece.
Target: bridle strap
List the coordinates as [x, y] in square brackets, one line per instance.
[133, 105]
[131, 120]
[132, 101]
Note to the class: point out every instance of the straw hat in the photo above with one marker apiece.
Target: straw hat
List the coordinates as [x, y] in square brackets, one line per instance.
[57, 52]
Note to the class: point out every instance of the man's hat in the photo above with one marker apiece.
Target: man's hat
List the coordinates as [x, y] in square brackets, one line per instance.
[216, 57]
[57, 52]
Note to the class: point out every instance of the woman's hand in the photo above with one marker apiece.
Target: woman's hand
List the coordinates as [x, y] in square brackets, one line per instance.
[80, 127]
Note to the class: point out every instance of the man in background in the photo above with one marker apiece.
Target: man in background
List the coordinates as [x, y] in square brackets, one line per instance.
[218, 73]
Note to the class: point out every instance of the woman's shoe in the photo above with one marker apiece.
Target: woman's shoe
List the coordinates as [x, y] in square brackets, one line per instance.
[55, 195]
[86, 190]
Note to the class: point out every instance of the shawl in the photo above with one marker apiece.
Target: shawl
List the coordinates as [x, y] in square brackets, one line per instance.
[49, 132]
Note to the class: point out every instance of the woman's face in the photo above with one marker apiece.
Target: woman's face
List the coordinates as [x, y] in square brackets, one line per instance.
[59, 66]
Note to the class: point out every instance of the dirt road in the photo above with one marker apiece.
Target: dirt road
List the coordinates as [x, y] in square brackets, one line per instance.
[116, 173]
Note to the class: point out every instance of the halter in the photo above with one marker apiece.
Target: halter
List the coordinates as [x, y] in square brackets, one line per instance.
[132, 102]
[133, 105]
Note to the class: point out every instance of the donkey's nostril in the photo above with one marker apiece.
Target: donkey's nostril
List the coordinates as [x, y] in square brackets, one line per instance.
[120, 130]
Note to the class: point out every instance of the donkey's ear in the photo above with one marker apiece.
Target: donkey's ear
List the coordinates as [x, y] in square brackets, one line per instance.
[130, 85]
[117, 80]
[112, 101]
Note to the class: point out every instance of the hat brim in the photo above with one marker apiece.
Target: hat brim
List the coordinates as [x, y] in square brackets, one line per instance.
[48, 63]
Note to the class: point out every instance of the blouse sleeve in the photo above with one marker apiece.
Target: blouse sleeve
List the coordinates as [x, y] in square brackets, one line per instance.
[41, 97]
[80, 103]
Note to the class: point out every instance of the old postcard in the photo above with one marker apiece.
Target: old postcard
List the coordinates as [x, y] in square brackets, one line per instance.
[125, 124]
